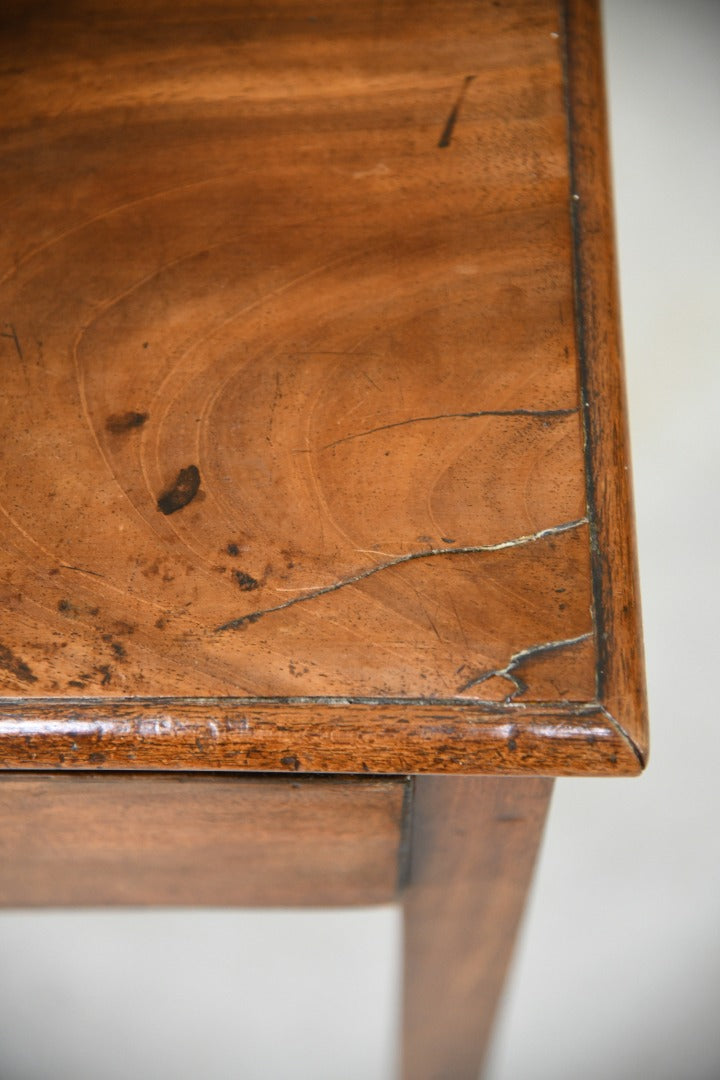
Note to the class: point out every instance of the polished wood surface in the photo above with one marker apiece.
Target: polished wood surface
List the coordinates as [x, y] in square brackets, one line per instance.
[311, 443]
[474, 844]
[252, 841]
[616, 602]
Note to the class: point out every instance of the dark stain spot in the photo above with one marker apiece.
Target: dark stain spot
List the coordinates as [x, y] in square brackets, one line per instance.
[76, 682]
[65, 607]
[290, 762]
[122, 627]
[145, 344]
[512, 744]
[15, 666]
[246, 581]
[183, 491]
[106, 672]
[54, 571]
[447, 540]
[94, 610]
[119, 423]
[160, 624]
[96, 758]
[233, 549]
[117, 647]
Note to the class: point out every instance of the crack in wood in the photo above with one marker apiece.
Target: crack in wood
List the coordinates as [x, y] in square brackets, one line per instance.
[516, 661]
[535, 414]
[477, 549]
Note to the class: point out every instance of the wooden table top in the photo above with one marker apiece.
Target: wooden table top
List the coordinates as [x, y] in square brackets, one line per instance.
[314, 436]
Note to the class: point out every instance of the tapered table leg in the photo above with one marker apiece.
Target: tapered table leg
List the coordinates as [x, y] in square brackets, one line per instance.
[474, 844]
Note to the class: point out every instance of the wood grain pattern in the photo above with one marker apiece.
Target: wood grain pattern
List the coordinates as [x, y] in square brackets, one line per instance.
[93, 839]
[292, 390]
[475, 840]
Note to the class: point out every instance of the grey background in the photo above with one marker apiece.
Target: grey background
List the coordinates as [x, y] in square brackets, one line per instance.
[618, 973]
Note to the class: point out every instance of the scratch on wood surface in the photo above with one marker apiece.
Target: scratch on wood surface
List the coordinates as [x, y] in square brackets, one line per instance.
[13, 337]
[447, 134]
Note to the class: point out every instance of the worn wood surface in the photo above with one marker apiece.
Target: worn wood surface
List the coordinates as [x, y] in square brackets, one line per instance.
[474, 843]
[311, 451]
[90, 839]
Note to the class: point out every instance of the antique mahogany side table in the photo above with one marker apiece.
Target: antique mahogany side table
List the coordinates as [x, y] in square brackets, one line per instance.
[317, 553]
